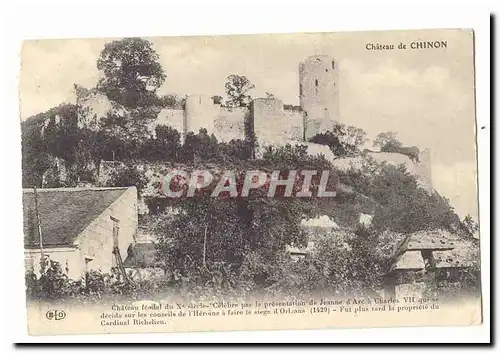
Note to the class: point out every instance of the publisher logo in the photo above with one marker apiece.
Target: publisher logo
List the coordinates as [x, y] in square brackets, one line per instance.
[55, 314]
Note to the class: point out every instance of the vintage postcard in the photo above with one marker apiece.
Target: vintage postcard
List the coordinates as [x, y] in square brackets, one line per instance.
[250, 182]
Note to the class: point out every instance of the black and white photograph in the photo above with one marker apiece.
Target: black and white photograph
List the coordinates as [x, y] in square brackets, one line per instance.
[307, 180]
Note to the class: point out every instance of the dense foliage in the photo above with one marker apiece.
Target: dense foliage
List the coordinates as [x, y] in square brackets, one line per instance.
[238, 89]
[342, 140]
[131, 71]
[227, 246]
[386, 141]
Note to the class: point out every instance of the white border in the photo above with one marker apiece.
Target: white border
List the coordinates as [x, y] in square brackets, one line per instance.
[96, 19]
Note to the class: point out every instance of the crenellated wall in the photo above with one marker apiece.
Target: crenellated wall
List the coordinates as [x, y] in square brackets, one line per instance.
[270, 121]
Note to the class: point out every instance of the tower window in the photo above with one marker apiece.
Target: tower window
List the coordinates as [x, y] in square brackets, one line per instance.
[333, 65]
[300, 89]
[316, 83]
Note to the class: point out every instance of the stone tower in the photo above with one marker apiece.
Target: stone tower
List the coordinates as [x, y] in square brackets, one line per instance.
[199, 113]
[319, 95]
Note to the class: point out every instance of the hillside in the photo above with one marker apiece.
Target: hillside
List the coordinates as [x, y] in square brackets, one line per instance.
[382, 200]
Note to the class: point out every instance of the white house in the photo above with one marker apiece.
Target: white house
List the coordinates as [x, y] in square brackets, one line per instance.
[80, 227]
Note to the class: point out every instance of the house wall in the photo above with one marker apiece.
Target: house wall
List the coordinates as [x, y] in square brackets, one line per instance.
[69, 258]
[96, 241]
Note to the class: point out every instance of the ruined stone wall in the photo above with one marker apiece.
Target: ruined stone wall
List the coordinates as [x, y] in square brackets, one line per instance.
[93, 106]
[294, 124]
[271, 123]
[173, 118]
[319, 93]
[229, 123]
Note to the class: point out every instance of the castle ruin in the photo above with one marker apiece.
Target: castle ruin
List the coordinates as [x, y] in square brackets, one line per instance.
[270, 120]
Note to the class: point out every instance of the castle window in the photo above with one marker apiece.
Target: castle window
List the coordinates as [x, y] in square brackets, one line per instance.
[300, 89]
[333, 65]
[316, 83]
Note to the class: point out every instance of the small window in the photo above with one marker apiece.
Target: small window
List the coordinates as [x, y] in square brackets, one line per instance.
[116, 230]
[333, 65]
[87, 260]
[316, 83]
[300, 89]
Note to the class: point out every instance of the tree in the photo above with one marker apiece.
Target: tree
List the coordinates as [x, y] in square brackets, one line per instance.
[201, 146]
[132, 73]
[35, 157]
[128, 176]
[353, 138]
[236, 149]
[237, 90]
[471, 225]
[165, 146]
[331, 140]
[342, 140]
[270, 95]
[56, 133]
[217, 99]
[387, 141]
[172, 101]
[340, 263]
[400, 204]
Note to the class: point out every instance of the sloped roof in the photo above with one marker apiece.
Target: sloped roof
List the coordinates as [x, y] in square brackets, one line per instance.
[449, 250]
[412, 260]
[64, 213]
[432, 240]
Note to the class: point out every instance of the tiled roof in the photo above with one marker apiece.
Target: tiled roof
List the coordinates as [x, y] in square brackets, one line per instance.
[432, 240]
[449, 250]
[64, 213]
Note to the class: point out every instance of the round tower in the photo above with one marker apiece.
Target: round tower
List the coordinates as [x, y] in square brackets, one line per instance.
[319, 98]
[200, 112]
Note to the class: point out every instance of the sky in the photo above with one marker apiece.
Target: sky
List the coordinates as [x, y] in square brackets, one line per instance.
[425, 96]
